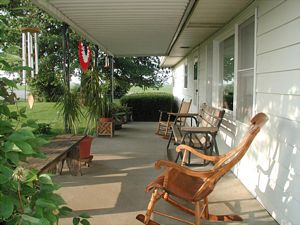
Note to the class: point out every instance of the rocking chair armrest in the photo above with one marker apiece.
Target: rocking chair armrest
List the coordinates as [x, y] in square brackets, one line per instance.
[181, 169]
[161, 113]
[197, 153]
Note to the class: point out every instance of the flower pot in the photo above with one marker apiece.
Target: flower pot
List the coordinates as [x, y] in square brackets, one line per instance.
[85, 150]
[105, 119]
[105, 126]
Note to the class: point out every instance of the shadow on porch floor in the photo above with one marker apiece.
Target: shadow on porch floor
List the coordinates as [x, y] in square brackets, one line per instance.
[112, 189]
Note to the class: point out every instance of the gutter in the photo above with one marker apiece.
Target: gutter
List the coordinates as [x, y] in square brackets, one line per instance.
[187, 14]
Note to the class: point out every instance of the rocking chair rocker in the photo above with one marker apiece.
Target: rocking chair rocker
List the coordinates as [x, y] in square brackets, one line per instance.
[195, 186]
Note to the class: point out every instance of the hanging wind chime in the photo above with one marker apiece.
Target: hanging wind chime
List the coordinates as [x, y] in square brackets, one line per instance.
[30, 51]
[30, 56]
[84, 53]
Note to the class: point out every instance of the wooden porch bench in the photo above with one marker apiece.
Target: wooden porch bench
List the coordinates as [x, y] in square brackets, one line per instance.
[203, 135]
[60, 149]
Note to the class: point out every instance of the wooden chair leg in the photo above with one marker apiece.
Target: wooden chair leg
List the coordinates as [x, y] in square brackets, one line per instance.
[167, 129]
[206, 213]
[158, 129]
[198, 213]
[154, 198]
[61, 166]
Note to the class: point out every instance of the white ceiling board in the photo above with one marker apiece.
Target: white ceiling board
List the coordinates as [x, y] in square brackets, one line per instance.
[170, 61]
[124, 27]
[145, 27]
[190, 37]
[207, 18]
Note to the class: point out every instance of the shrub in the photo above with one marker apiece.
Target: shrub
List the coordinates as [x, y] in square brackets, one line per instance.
[146, 106]
[43, 128]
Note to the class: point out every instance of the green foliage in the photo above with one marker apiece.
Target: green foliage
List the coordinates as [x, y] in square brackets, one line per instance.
[138, 71]
[167, 88]
[228, 96]
[43, 128]
[228, 69]
[146, 106]
[92, 97]
[81, 219]
[25, 197]
[47, 85]
[117, 108]
[70, 107]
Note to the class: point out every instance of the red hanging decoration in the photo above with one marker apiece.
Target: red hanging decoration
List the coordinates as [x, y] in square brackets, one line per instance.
[84, 53]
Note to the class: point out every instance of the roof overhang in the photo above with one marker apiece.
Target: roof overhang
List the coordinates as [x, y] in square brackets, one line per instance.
[170, 28]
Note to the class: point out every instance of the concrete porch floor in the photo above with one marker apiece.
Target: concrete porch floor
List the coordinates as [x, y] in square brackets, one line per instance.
[112, 192]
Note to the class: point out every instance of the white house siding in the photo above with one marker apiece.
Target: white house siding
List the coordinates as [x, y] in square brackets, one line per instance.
[271, 168]
[178, 80]
[278, 94]
[191, 90]
[202, 75]
[178, 86]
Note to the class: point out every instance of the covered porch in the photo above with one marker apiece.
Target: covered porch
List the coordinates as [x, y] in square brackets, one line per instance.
[190, 35]
[112, 190]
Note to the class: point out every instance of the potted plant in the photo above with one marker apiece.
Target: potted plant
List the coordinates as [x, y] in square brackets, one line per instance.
[85, 150]
[105, 124]
[106, 107]
[69, 106]
[95, 98]
[91, 94]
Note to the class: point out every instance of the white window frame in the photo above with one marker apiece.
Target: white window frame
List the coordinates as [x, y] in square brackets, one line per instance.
[218, 77]
[236, 65]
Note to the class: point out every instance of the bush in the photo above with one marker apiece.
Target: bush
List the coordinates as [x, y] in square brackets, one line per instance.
[146, 106]
[43, 128]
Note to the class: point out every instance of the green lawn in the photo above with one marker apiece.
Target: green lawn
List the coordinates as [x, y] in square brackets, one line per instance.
[22, 87]
[46, 112]
[166, 88]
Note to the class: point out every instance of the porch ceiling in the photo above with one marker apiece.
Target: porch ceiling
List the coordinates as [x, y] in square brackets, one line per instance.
[170, 28]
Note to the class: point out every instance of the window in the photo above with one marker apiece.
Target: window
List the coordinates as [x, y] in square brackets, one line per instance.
[227, 72]
[196, 71]
[185, 85]
[245, 70]
[195, 96]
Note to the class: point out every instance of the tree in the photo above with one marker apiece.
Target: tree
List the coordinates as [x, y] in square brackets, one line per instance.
[144, 72]
[48, 83]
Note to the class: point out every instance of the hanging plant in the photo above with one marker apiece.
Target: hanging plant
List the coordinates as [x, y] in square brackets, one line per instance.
[84, 53]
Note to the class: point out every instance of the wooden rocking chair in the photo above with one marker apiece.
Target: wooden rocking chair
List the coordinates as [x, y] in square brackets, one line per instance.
[164, 126]
[195, 186]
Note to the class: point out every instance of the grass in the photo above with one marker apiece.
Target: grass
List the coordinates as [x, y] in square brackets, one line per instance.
[166, 88]
[22, 87]
[46, 112]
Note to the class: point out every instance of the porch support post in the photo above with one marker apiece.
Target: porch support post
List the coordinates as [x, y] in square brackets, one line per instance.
[111, 64]
[66, 68]
[96, 56]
